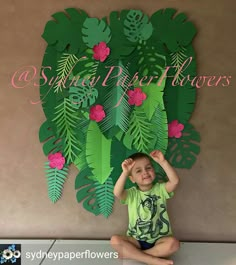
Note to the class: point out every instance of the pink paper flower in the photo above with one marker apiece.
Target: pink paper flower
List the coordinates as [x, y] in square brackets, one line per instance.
[97, 113]
[175, 128]
[136, 96]
[56, 160]
[101, 51]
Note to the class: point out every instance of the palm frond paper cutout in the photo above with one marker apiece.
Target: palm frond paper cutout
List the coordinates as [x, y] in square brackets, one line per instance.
[110, 89]
[55, 181]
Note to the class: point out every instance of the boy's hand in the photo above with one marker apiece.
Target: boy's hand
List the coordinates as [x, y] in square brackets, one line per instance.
[157, 156]
[127, 165]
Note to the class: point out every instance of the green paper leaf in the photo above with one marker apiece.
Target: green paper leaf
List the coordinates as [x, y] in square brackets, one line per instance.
[182, 152]
[154, 98]
[52, 144]
[64, 33]
[160, 129]
[87, 192]
[137, 26]
[85, 68]
[105, 197]
[172, 31]
[82, 96]
[114, 99]
[66, 120]
[95, 31]
[80, 161]
[98, 150]
[48, 77]
[55, 181]
[139, 134]
[151, 63]
[118, 154]
[65, 65]
[180, 99]
[118, 38]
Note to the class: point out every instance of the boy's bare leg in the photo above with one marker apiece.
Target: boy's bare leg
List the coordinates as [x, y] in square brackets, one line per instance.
[164, 247]
[129, 248]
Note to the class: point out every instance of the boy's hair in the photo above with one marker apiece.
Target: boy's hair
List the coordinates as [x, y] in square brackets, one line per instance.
[139, 155]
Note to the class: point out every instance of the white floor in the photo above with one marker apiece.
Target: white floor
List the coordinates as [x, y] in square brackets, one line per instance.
[89, 252]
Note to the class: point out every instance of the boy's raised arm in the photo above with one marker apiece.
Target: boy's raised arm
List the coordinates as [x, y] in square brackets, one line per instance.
[173, 178]
[119, 190]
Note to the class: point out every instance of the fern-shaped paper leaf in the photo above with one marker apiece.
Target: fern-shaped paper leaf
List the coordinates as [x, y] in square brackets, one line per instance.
[66, 120]
[160, 129]
[65, 65]
[55, 181]
[115, 101]
[180, 97]
[105, 197]
[177, 60]
[139, 134]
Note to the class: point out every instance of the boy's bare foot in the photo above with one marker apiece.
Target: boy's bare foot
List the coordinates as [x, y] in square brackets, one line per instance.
[159, 261]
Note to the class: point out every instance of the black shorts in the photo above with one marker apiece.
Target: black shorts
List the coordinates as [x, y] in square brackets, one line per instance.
[145, 245]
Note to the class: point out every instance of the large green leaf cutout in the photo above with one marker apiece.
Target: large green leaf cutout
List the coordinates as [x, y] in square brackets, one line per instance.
[137, 26]
[87, 192]
[98, 150]
[95, 31]
[172, 31]
[118, 38]
[105, 197]
[55, 181]
[48, 78]
[64, 32]
[182, 152]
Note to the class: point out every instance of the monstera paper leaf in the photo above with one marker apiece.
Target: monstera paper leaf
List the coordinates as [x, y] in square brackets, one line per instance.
[109, 90]
[63, 33]
[172, 31]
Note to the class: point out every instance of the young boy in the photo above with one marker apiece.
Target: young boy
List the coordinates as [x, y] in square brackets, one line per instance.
[149, 237]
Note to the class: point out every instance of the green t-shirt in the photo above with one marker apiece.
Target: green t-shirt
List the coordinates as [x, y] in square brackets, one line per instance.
[148, 217]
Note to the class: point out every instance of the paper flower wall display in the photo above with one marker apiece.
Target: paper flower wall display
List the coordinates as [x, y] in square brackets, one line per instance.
[109, 90]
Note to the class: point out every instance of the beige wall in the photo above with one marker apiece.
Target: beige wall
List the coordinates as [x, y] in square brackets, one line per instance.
[204, 207]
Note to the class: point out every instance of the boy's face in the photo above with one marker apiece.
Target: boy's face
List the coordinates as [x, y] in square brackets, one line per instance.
[142, 172]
